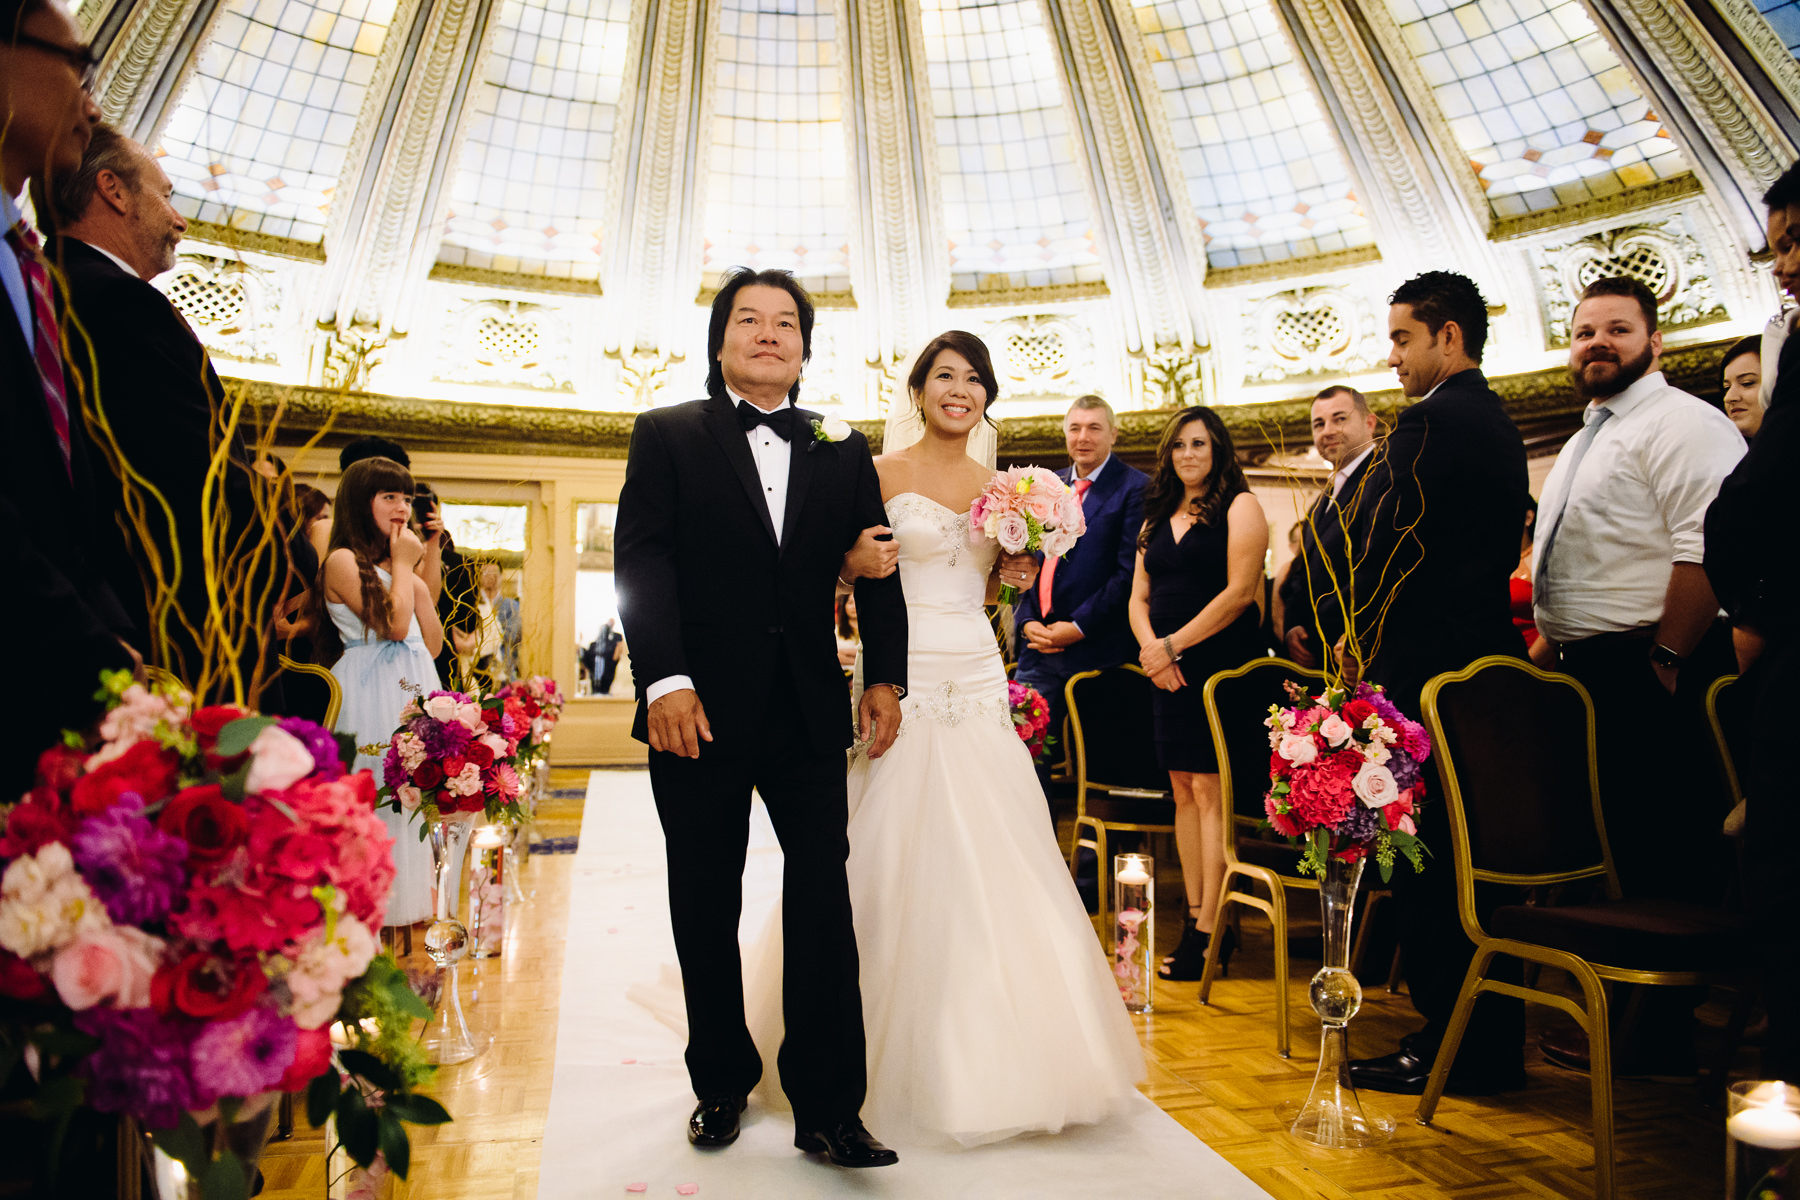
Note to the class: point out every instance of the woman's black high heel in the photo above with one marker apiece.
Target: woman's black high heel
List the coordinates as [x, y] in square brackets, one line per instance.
[1228, 944]
[1188, 962]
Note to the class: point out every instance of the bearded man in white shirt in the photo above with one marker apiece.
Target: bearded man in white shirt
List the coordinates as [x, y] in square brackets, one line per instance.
[1620, 594]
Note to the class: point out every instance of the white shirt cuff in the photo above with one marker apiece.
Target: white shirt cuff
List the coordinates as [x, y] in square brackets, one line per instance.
[662, 687]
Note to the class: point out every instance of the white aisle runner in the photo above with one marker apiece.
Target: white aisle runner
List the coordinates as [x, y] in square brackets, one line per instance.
[620, 1101]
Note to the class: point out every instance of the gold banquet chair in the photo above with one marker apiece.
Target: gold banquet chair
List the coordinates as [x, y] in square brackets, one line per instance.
[331, 683]
[1515, 751]
[1118, 786]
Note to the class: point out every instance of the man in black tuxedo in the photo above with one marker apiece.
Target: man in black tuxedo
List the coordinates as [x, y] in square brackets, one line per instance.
[1757, 578]
[145, 370]
[735, 516]
[1074, 619]
[67, 625]
[1447, 492]
[1343, 431]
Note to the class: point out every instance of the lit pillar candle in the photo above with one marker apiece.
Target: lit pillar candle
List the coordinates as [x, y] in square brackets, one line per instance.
[487, 891]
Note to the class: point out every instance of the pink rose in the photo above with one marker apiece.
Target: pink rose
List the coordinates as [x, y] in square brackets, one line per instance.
[1012, 533]
[496, 743]
[469, 717]
[1297, 748]
[1040, 503]
[441, 708]
[278, 760]
[1335, 730]
[103, 965]
[1407, 826]
[410, 797]
[1374, 785]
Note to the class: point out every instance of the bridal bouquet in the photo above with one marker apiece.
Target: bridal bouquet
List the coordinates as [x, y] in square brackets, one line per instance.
[1030, 717]
[189, 899]
[541, 703]
[1344, 775]
[457, 753]
[1026, 508]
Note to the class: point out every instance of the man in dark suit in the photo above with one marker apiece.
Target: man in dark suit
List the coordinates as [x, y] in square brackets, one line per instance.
[1447, 493]
[733, 522]
[147, 375]
[67, 625]
[1757, 578]
[1074, 619]
[1343, 431]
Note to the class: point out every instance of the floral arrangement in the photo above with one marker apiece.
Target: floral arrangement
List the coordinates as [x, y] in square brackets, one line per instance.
[1026, 508]
[1031, 718]
[457, 753]
[1344, 775]
[190, 898]
[542, 702]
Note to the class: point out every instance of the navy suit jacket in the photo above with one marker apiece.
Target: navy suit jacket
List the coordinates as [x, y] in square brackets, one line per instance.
[1093, 581]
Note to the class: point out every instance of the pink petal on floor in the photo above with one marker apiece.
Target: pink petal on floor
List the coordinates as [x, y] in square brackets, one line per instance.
[637, 1187]
[626, 1062]
[687, 1189]
[614, 930]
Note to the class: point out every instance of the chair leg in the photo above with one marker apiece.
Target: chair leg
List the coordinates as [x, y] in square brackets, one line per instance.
[1601, 1072]
[1103, 881]
[1730, 1040]
[1459, 1023]
[1212, 947]
[1278, 923]
[1394, 972]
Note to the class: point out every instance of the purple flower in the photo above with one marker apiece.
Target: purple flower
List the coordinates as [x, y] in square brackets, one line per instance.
[141, 1065]
[1360, 824]
[393, 773]
[442, 739]
[1414, 740]
[245, 1055]
[318, 740]
[1404, 768]
[1384, 707]
[135, 868]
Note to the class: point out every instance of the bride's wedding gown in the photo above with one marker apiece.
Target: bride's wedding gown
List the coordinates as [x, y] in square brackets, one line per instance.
[987, 1000]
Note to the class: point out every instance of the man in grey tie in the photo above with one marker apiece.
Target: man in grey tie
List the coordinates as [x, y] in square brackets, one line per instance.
[1619, 592]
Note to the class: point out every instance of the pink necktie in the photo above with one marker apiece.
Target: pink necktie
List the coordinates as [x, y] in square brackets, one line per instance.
[1048, 573]
[47, 345]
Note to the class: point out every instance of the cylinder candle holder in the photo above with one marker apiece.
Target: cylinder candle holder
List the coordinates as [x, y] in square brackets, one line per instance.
[1762, 1141]
[487, 891]
[1134, 929]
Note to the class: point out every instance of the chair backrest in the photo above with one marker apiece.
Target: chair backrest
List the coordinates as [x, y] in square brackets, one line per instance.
[1113, 729]
[1727, 712]
[334, 689]
[1514, 748]
[1237, 704]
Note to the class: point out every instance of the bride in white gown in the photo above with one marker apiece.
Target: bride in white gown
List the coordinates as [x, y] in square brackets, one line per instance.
[987, 1000]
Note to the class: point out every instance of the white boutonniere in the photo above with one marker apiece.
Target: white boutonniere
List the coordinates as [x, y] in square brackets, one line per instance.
[830, 430]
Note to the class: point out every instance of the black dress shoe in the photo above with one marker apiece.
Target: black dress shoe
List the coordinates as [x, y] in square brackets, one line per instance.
[1405, 1073]
[847, 1144]
[715, 1121]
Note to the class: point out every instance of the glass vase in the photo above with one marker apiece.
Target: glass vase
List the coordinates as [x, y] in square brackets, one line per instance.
[487, 891]
[1762, 1141]
[1134, 929]
[1334, 1115]
[447, 1039]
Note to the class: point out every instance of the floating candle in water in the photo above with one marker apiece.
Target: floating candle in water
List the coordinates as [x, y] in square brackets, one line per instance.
[1769, 1128]
[1134, 876]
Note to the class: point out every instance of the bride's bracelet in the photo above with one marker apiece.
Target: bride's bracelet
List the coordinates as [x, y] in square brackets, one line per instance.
[1169, 649]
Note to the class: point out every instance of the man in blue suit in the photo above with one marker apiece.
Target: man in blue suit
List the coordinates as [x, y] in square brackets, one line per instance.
[1074, 619]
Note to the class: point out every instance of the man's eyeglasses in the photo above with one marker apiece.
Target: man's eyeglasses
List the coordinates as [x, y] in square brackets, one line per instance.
[81, 58]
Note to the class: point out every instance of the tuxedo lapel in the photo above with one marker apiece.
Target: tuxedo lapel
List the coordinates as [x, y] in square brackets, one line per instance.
[800, 469]
[722, 423]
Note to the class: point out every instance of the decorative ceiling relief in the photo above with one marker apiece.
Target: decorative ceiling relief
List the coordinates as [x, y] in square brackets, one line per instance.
[234, 307]
[1042, 355]
[1665, 257]
[1310, 331]
[508, 343]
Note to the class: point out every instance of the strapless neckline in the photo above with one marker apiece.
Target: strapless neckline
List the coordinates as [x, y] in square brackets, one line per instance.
[934, 503]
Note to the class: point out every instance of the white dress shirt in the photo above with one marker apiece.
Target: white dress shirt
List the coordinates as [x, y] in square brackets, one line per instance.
[1092, 476]
[1348, 469]
[1636, 506]
[12, 278]
[772, 456]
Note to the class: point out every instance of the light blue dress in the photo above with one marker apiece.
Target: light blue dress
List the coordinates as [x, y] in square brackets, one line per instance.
[376, 675]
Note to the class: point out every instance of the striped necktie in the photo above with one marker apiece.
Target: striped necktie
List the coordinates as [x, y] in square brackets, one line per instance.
[47, 344]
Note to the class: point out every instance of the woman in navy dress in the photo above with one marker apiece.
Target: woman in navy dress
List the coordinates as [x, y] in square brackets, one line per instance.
[1193, 609]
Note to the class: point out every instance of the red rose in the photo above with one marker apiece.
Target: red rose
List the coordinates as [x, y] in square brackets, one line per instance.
[209, 722]
[454, 767]
[312, 1058]
[211, 825]
[428, 774]
[59, 767]
[482, 756]
[19, 980]
[1358, 711]
[362, 785]
[146, 769]
[36, 823]
[208, 987]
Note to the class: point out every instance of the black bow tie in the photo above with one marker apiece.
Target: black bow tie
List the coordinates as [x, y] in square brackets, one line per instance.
[781, 420]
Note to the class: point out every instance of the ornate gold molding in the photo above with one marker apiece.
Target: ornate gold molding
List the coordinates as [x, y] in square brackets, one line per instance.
[254, 241]
[844, 301]
[1534, 397]
[1764, 44]
[1630, 202]
[513, 281]
[993, 294]
[1288, 268]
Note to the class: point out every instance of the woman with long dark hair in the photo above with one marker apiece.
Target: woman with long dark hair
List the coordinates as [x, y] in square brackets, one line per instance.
[376, 627]
[1193, 609]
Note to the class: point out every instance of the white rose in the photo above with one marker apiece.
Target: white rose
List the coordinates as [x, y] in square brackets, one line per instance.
[1335, 730]
[835, 430]
[1374, 785]
[1298, 748]
[278, 760]
[441, 708]
[410, 797]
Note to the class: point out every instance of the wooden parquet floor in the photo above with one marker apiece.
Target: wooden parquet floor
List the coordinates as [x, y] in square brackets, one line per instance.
[1213, 1068]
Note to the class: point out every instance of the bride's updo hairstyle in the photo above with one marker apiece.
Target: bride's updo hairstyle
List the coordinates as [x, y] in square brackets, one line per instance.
[971, 348]
[1163, 498]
